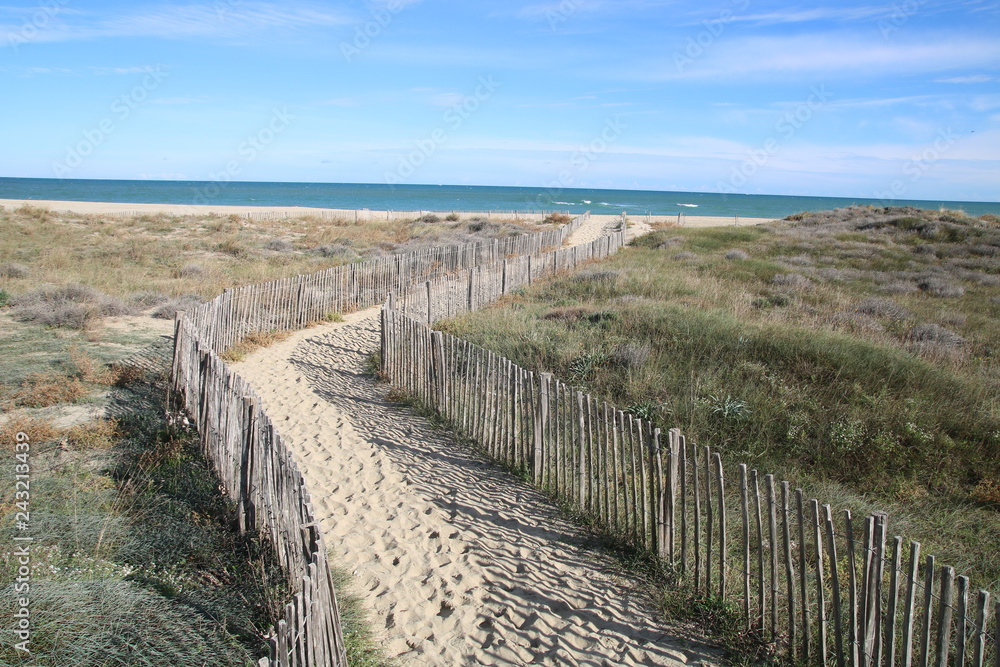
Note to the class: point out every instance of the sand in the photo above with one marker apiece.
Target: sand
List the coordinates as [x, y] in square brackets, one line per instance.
[457, 562]
[110, 208]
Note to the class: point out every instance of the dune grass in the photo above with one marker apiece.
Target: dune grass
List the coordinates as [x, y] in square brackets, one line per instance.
[850, 352]
[135, 558]
[174, 255]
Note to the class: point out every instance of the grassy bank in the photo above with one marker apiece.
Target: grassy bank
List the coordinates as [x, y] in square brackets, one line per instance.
[851, 352]
[135, 556]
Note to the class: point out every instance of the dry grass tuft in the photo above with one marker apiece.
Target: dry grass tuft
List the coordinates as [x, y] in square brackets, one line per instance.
[568, 313]
[14, 270]
[794, 281]
[38, 429]
[880, 307]
[631, 355]
[169, 310]
[940, 288]
[97, 434]
[253, 341]
[122, 376]
[935, 335]
[42, 390]
[147, 299]
[74, 306]
[986, 491]
[87, 368]
[191, 270]
[279, 245]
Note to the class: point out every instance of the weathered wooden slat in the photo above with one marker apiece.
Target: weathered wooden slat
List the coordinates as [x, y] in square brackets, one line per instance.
[908, 609]
[925, 626]
[786, 543]
[982, 617]
[745, 524]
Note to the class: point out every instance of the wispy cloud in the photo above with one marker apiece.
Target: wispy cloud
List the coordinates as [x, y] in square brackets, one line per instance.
[972, 78]
[814, 14]
[221, 20]
[826, 55]
[118, 71]
[181, 100]
[34, 71]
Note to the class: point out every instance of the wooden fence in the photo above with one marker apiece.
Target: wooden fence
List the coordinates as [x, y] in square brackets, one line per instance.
[244, 447]
[818, 585]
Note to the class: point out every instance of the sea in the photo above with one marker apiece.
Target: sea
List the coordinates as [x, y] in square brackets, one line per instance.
[384, 197]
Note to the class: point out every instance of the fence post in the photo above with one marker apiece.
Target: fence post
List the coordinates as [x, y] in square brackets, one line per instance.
[911, 591]
[925, 627]
[723, 545]
[786, 540]
[430, 305]
[673, 438]
[582, 448]
[438, 370]
[873, 593]
[820, 590]
[660, 538]
[889, 634]
[745, 518]
[982, 613]
[831, 545]
[962, 611]
[944, 618]
[541, 425]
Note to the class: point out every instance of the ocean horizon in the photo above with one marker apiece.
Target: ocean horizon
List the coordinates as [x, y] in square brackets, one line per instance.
[383, 197]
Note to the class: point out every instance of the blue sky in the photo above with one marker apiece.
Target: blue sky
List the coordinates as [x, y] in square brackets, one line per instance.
[855, 99]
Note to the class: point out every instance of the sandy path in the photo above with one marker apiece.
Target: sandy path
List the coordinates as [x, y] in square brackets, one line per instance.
[459, 563]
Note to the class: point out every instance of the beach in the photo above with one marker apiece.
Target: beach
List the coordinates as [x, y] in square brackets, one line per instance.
[112, 208]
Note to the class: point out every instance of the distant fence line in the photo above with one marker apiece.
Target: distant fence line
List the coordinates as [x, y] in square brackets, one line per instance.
[246, 450]
[818, 585]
